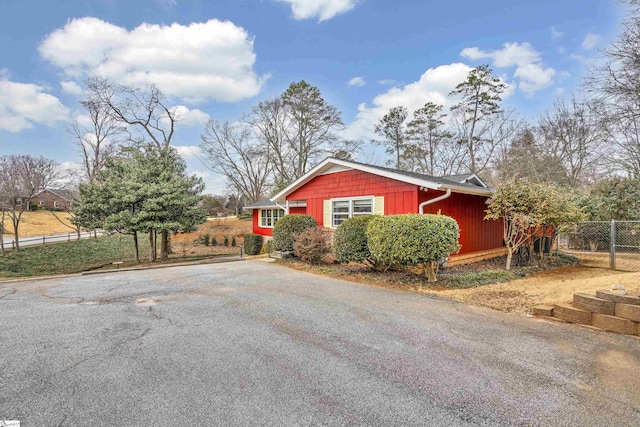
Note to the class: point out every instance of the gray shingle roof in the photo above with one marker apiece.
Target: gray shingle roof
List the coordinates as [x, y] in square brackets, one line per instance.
[449, 180]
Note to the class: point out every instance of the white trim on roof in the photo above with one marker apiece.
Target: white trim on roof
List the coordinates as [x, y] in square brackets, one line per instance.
[330, 164]
[470, 177]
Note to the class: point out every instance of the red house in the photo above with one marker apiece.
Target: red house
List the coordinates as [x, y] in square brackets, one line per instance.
[337, 189]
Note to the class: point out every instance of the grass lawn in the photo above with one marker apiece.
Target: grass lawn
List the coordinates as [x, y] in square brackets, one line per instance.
[90, 254]
[94, 254]
[66, 257]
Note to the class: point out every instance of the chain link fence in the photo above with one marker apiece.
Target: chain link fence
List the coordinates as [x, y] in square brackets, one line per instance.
[606, 244]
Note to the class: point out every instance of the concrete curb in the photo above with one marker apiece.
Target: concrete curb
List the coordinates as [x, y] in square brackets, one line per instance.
[155, 267]
[151, 267]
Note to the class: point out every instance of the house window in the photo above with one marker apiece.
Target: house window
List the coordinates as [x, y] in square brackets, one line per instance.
[342, 209]
[19, 202]
[269, 217]
[55, 204]
[41, 202]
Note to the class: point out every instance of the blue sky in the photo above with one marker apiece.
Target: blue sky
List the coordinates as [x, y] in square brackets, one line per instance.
[218, 58]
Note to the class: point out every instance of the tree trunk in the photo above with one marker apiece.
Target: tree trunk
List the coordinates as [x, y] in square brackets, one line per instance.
[509, 257]
[2, 237]
[15, 235]
[164, 245]
[135, 243]
[152, 246]
[430, 271]
[78, 232]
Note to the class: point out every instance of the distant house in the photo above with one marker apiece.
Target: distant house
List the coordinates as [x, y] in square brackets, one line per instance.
[337, 189]
[53, 199]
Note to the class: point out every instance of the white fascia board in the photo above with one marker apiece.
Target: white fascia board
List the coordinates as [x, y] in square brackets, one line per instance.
[488, 192]
[473, 175]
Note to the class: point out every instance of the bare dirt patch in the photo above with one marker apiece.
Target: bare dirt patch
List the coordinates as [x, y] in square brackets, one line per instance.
[545, 287]
[193, 243]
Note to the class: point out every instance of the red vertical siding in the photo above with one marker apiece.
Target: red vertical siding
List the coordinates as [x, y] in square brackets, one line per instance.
[399, 197]
[260, 230]
[269, 231]
[298, 210]
[476, 233]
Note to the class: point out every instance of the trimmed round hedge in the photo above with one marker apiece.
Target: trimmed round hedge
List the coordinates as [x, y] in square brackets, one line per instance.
[252, 243]
[413, 240]
[350, 239]
[287, 227]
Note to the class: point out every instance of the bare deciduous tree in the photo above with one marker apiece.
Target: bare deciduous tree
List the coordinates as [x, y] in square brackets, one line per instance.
[21, 178]
[98, 141]
[268, 120]
[144, 112]
[574, 137]
[232, 151]
[617, 82]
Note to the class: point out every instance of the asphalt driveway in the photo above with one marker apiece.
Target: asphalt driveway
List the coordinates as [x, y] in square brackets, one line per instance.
[251, 343]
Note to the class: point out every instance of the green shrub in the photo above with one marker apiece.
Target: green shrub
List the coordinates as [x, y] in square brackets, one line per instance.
[206, 239]
[214, 241]
[252, 244]
[226, 240]
[286, 227]
[412, 240]
[311, 245]
[350, 239]
[233, 241]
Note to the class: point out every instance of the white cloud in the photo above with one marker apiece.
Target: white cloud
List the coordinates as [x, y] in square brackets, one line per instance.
[189, 117]
[188, 151]
[214, 183]
[555, 33]
[323, 9]
[196, 62]
[83, 119]
[357, 81]
[530, 72]
[23, 104]
[434, 86]
[590, 41]
[387, 82]
[71, 87]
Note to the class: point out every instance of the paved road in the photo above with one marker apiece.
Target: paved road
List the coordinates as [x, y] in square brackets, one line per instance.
[49, 238]
[251, 343]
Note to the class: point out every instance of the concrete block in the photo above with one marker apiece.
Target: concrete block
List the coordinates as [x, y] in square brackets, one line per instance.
[630, 312]
[624, 299]
[572, 314]
[593, 304]
[615, 324]
[543, 310]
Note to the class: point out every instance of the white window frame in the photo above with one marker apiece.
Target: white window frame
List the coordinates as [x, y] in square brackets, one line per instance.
[351, 212]
[19, 201]
[42, 203]
[55, 204]
[272, 210]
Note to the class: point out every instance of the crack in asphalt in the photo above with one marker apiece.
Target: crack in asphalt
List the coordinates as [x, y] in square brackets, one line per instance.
[11, 292]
